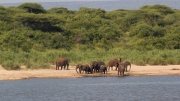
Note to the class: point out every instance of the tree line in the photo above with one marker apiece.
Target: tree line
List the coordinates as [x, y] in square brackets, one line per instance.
[35, 37]
[31, 27]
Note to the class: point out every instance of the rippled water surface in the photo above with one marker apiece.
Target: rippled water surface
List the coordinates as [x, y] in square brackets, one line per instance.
[153, 88]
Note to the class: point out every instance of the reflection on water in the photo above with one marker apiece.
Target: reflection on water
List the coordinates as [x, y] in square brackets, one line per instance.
[154, 88]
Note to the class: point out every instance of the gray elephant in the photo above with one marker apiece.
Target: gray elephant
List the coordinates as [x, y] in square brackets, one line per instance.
[62, 62]
[103, 69]
[95, 65]
[121, 69]
[127, 63]
[114, 62]
[83, 68]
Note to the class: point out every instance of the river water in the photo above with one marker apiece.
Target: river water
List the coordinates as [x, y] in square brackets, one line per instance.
[147, 88]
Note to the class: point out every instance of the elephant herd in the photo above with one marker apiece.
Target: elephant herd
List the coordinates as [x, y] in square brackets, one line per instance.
[96, 66]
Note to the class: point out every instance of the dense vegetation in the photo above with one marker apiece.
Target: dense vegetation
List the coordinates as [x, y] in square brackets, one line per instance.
[33, 36]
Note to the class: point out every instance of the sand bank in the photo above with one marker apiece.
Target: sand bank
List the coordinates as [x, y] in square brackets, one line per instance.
[168, 70]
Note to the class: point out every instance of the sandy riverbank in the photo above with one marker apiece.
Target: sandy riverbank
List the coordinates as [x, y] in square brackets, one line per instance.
[168, 70]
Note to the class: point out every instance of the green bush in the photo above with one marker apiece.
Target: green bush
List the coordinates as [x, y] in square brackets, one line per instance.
[32, 8]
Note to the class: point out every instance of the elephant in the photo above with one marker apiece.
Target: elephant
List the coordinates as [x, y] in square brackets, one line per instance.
[80, 67]
[89, 70]
[121, 69]
[127, 63]
[114, 62]
[103, 68]
[95, 65]
[83, 67]
[62, 62]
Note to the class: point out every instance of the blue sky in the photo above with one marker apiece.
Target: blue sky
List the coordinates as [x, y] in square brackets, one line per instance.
[18, 1]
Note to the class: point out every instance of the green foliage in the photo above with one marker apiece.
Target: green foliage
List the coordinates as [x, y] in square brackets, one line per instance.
[141, 30]
[32, 8]
[35, 36]
[60, 10]
[146, 28]
[92, 11]
[164, 10]
[39, 22]
[10, 65]
[152, 17]
[171, 18]
[36, 59]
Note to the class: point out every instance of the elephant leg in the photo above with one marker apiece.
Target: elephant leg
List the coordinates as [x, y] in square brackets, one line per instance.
[116, 68]
[67, 66]
[101, 71]
[126, 67]
[82, 71]
[91, 71]
[79, 70]
[129, 67]
[109, 67]
[122, 73]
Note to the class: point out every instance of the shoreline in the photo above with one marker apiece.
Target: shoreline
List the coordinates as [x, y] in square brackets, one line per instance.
[159, 70]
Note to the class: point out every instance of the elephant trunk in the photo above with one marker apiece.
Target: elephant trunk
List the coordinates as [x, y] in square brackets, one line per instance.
[77, 70]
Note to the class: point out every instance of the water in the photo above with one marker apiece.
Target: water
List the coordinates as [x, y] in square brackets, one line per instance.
[153, 88]
[107, 5]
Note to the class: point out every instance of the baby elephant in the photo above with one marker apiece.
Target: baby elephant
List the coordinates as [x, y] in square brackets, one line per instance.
[126, 65]
[103, 68]
[121, 69]
[83, 68]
